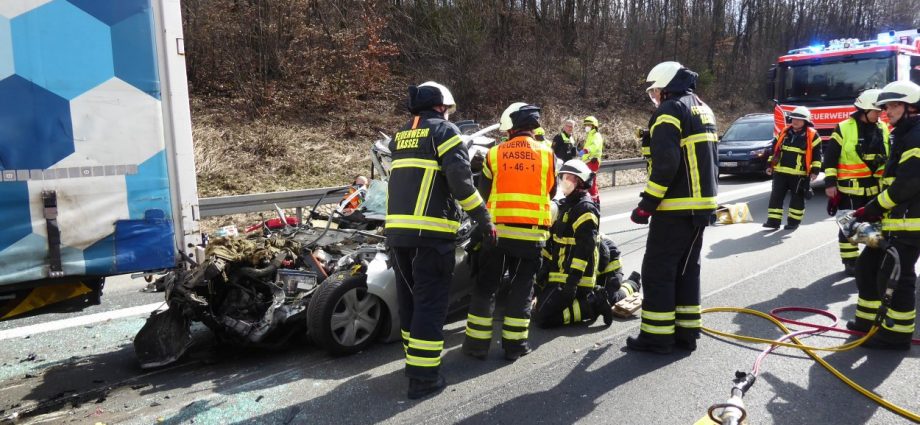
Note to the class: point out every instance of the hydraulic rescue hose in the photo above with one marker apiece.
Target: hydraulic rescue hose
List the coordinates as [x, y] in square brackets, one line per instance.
[733, 411]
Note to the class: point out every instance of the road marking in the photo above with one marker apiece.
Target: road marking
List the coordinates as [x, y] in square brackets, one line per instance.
[88, 319]
[722, 198]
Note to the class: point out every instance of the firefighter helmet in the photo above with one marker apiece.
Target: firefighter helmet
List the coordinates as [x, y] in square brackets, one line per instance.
[591, 121]
[577, 168]
[504, 123]
[899, 91]
[428, 95]
[662, 74]
[526, 118]
[800, 113]
[866, 100]
[539, 131]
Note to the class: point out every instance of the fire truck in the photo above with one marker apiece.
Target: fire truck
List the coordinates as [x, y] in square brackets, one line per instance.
[828, 77]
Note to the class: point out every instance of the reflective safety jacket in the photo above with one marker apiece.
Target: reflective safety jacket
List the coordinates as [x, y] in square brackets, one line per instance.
[594, 144]
[855, 158]
[682, 159]
[564, 147]
[517, 179]
[900, 202]
[572, 249]
[795, 153]
[429, 176]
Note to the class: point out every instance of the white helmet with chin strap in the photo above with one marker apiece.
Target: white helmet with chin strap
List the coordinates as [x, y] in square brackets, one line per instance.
[800, 113]
[578, 168]
[662, 74]
[899, 91]
[505, 123]
[866, 100]
[447, 99]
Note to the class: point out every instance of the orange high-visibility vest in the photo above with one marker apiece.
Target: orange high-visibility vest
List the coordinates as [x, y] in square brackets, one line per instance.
[810, 134]
[523, 173]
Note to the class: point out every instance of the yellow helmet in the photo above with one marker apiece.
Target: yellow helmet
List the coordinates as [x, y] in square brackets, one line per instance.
[591, 120]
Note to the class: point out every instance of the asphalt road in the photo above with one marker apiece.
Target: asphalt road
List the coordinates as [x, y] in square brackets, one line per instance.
[88, 373]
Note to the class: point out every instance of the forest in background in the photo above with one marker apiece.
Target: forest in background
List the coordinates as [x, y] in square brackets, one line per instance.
[268, 76]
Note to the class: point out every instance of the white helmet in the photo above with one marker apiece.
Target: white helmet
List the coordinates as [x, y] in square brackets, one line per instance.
[800, 113]
[662, 74]
[447, 99]
[577, 168]
[866, 100]
[505, 123]
[899, 91]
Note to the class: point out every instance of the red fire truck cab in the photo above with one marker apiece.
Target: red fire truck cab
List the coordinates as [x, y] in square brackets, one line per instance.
[827, 78]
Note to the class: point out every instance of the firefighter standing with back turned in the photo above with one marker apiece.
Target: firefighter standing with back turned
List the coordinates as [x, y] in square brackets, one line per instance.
[518, 181]
[898, 206]
[795, 163]
[854, 162]
[679, 198]
[430, 176]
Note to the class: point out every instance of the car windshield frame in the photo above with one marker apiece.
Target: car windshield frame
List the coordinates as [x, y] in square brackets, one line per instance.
[822, 81]
[747, 127]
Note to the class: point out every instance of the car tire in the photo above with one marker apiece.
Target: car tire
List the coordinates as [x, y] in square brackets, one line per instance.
[343, 317]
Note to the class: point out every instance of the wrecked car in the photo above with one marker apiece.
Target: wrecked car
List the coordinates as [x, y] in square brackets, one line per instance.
[333, 283]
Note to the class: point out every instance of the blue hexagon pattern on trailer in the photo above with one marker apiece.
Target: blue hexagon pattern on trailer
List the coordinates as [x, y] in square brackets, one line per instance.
[6, 49]
[14, 213]
[62, 48]
[35, 126]
[135, 53]
[112, 11]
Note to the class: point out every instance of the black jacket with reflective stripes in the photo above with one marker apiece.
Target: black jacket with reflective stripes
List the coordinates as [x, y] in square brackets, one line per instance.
[572, 246]
[682, 159]
[429, 176]
[900, 202]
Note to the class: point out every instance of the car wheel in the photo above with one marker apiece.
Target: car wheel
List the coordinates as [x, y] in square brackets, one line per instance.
[343, 317]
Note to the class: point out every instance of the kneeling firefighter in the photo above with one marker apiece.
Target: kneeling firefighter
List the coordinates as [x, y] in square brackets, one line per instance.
[571, 295]
[518, 181]
[898, 206]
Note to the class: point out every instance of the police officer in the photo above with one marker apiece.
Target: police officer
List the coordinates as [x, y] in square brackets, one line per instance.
[679, 198]
[571, 295]
[430, 176]
[593, 151]
[854, 162]
[518, 181]
[898, 206]
[794, 164]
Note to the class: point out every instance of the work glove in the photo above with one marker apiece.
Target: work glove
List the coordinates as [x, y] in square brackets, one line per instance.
[870, 213]
[769, 171]
[640, 216]
[489, 233]
[832, 204]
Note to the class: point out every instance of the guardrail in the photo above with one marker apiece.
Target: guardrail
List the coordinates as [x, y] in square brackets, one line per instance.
[238, 204]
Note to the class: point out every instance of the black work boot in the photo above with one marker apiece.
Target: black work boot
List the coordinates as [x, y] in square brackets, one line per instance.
[772, 223]
[602, 306]
[512, 354]
[476, 353]
[855, 326]
[688, 344]
[849, 266]
[792, 225]
[634, 280]
[639, 344]
[875, 343]
[419, 388]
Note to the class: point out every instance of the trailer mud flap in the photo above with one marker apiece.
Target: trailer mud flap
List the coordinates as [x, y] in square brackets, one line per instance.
[163, 339]
[27, 300]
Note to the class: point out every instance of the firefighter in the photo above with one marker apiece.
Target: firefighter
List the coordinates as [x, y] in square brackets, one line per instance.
[518, 181]
[571, 295]
[592, 152]
[564, 143]
[898, 206]
[430, 176]
[679, 198]
[539, 134]
[794, 164]
[854, 162]
[610, 272]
